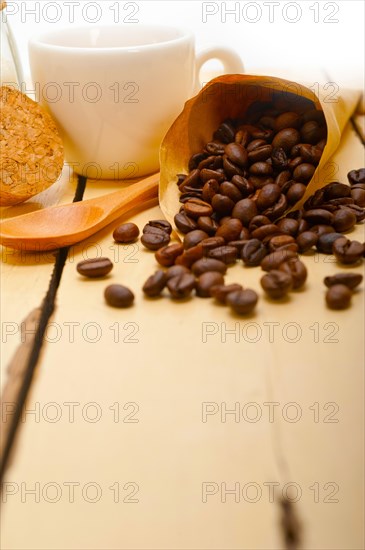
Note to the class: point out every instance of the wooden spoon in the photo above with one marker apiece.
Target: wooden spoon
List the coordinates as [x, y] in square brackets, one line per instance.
[67, 224]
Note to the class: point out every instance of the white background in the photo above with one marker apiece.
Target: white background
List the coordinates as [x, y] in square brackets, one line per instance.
[296, 39]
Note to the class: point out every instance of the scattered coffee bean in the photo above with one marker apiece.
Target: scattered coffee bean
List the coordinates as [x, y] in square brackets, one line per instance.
[351, 280]
[242, 302]
[184, 223]
[118, 296]
[126, 233]
[190, 256]
[274, 259]
[227, 254]
[348, 252]
[153, 240]
[167, 255]
[155, 284]
[356, 176]
[325, 242]
[176, 270]
[253, 252]
[220, 292]
[306, 241]
[297, 270]
[276, 283]
[181, 286]
[206, 281]
[162, 225]
[194, 237]
[338, 296]
[93, 268]
[343, 220]
[208, 264]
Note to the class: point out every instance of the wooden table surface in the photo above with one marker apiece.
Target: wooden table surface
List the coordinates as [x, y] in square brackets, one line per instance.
[181, 426]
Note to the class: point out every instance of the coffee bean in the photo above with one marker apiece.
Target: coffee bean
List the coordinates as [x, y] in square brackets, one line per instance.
[126, 233]
[279, 241]
[295, 193]
[194, 237]
[175, 271]
[288, 226]
[268, 196]
[321, 229]
[118, 296]
[215, 148]
[253, 253]
[336, 190]
[297, 270]
[207, 224]
[351, 280]
[310, 153]
[206, 281]
[306, 241]
[358, 195]
[196, 208]
[222, 205]
[210, 188]
[162, 225]
[207, 174]
[260, 153]
[181, 286]
[287, 120]
[348, 252]
[156, 239]
[325, 242]
[338, 297]
[358, 211]
[286, 139]
[245, 210]
[93, 268]
[276, 284]
[274, 259]
[227, 254]
[231, 191]
[225, 132]
[294, 163]
[230, 230]
[304, 172]
[237, 154]
[155, 284]
[190, 256]
[208, 264]
[167, 255]
[258, 221]
[220, 292]
[184, 223]
[279, 158]
[211, 243]
[195, 160]
[312, 132]
[278, 209]
[356, 176]
[318, 216]
[344, 220]
[255, 144]
[242, 302]
[264, 231]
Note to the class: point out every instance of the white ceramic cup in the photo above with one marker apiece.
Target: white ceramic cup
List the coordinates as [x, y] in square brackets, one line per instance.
[114, 91]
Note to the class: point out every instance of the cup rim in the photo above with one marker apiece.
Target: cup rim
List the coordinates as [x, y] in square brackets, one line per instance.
[41, 39]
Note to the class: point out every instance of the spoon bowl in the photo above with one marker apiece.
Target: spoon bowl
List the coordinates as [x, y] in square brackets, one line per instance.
[67, 224]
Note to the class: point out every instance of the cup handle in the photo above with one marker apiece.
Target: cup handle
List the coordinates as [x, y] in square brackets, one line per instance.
[232, 62]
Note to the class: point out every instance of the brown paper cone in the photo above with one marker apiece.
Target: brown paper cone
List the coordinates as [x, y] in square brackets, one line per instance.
[229, 96]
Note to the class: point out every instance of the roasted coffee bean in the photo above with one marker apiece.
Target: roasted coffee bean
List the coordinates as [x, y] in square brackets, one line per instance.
[315, 200]
[304, 172]
[175, 271]
[230, 190]
[211, 243]
[195, 160]
[220, 292]
[208, 264]
[306, 241]
[155, 284]
[227, 254]
[245, 210]
[312, 132]
[194, 237]
[261, 169]
[297, 270]
[325, 242]
[118, 296]
[210, 188]
[184, 223]
[225, 132]
[162, 225]
[336, 190]
[358, 211]
[237, 154]
[268, 196]
[155, 240]
[196, 194]
[195, 208]
[207, 281]
[356, 176]
[243, 185]
[264, 231]
[348, 252]
[351, 280]
[283, 179]
[310, 153]
[207, 224]
[190, 256]
[230, 230]
[253, 252]
[207, 174]
[255, 144]
[280, 241]
[242, 302]
[277, 283]
[338, 297]
[215, 148]
[259, 182]
[278, 209]
[242, 137]
[167, 255]
[303, 226]
[288, 226]
[260, 153]
[181, 286]
[93, 268]
[317, 216]
[224, 220]
[279, 158]
[222, 205]
[192, 180]
[344, 220]
[126, 233]
[286, 139]
[295, 193]
[358, 195]
[274, 259]
[321, 229]
[294, 163]
[287, 120]
[239, 244]
[245, 234]
[231, 169]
